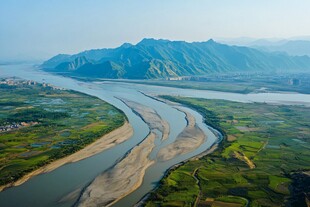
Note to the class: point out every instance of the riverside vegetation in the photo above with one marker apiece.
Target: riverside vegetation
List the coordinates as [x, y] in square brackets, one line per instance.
[41, 123]
[236, 83]
[262, 161]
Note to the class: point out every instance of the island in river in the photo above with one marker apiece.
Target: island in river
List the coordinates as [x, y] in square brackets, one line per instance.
[43, 127]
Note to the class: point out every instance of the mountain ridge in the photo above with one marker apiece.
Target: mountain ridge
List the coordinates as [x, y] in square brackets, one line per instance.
[151, 58]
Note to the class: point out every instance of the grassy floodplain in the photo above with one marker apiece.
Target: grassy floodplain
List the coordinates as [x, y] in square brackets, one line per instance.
[237, 83]
[40, 123]
[263, 160]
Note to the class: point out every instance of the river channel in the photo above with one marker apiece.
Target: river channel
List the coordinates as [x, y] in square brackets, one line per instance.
[62, 186]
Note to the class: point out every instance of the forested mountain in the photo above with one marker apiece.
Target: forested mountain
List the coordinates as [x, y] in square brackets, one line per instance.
[152, 58]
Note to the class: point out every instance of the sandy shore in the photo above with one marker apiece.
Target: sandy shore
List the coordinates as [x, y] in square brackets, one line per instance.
[150, 117]
[125, 177]
[188, 140]
[107, 141]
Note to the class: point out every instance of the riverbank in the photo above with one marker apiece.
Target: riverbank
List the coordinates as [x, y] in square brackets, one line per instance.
[107, 141]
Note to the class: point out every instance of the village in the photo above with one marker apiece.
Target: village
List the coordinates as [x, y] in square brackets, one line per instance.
[18, 82]
[16, 126]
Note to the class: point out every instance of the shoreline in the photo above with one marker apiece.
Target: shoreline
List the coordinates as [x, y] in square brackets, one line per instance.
[107, 141]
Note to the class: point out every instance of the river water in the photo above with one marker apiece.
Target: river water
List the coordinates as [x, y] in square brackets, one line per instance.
[49, 189]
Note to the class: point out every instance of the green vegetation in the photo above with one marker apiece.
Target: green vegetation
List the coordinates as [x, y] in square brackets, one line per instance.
[265, 148]
[243, 88]
[155, 59]
[39, 124]
[236, 83]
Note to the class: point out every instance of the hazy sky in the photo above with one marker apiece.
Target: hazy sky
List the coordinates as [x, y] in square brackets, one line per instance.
[42, 28]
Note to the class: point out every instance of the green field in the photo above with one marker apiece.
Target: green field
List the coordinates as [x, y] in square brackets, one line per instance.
[43, 123]
[262, 161]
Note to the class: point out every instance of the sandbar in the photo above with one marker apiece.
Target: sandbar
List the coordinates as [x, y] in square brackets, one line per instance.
[125, 177]
[150, 117]
[188, 140]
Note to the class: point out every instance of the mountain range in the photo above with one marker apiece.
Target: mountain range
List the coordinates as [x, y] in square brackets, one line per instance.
[151, 59]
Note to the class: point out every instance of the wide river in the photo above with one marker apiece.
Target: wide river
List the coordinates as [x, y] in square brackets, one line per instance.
[62, 186]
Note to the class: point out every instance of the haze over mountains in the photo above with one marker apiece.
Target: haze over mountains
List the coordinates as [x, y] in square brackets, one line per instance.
[294, 46]
[152, 58]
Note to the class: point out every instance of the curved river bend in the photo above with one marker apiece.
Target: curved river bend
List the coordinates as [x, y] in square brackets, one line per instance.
[52, 189]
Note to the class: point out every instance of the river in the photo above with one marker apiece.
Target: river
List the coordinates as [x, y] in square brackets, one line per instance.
[49, 189]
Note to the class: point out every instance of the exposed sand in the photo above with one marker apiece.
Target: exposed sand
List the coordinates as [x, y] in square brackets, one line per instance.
[122, 179]
[188, 140]
[107, 141]
[127, 175]
[150, 117]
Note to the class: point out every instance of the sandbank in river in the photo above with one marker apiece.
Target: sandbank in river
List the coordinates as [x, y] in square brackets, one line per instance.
[188, 140]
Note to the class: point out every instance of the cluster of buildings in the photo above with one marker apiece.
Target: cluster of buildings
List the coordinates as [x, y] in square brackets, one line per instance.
[15, 126]
[17, 82]
[294, 80]
[9, 127]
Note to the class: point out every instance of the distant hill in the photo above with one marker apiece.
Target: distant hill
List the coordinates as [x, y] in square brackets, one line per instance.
[152, 58]
[292, 47]
[298, 46]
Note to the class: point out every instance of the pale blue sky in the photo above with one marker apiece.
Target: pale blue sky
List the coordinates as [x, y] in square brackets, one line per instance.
[42, 28]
